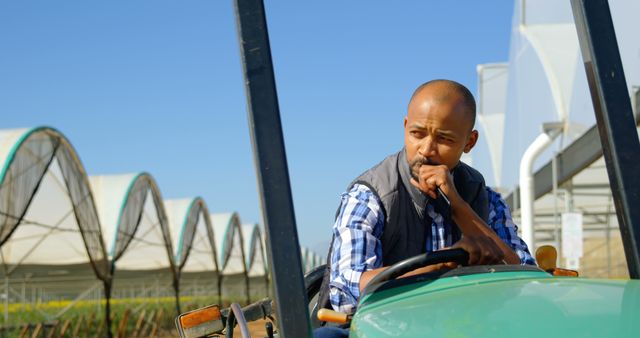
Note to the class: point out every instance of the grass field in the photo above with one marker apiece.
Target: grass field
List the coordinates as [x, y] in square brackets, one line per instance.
[135, 317]
[141, 305]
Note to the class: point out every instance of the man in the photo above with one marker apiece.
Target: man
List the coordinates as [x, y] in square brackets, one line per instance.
[388, 213]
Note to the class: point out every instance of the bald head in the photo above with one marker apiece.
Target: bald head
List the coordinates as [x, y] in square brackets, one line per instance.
[446, 92]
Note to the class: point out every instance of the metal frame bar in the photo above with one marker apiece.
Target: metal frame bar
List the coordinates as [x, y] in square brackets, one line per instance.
[573, 159]
[271, 166]
[614, 117]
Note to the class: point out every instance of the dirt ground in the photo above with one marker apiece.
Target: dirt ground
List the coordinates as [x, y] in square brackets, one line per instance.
[256, 329]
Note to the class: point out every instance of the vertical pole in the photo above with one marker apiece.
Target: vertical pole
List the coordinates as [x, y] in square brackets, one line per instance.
[608, 238]
[6, 300]
[614, 117]
[554, 178]
[96, 298]
[271, 166]
[107, 308]
[176, 288]
[24, 293]
[247, 285]
[220, 288]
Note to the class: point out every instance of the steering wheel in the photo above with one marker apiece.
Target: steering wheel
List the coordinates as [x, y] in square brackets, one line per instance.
[458, 255]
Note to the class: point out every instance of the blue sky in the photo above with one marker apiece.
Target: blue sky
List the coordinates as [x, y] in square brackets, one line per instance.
[156, 86]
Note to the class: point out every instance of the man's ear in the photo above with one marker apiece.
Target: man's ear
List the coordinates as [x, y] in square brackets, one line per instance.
[405, 122]
[471, 141]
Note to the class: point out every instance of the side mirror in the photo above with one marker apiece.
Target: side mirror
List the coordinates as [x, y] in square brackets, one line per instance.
[209, 320]
[546, 256]
[200, 322]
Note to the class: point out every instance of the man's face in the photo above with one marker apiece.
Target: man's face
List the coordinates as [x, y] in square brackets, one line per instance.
[437, 129]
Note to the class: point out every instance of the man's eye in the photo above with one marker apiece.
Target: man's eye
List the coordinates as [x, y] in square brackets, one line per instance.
[416, 133]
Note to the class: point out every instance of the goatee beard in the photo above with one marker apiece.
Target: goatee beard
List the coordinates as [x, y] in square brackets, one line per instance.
[416, 162]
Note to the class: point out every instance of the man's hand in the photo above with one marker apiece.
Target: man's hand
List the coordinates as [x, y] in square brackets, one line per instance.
[482, 250]
[484, 245]
[431, 177]
[367, 276]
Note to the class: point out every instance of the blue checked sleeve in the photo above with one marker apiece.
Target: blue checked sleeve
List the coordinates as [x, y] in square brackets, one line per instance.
[501, 222]
[356, 246]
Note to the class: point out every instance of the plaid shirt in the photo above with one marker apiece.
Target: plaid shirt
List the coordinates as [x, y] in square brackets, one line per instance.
[357, 247]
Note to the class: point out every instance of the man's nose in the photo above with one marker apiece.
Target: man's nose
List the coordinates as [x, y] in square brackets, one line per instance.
[427, 147]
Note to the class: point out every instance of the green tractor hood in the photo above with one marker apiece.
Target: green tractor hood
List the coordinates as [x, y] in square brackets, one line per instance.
[501, 304]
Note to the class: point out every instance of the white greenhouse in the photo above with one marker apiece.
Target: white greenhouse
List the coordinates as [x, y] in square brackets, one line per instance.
[256, 261]
[231, 258]
[536, 114]
[50, 238]
[73, 238]
[195, 250]
[136, 227]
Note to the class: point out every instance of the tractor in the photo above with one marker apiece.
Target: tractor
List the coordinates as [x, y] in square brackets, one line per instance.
[469, 301]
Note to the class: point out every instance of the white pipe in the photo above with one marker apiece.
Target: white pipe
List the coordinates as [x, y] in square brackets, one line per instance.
[526, 183]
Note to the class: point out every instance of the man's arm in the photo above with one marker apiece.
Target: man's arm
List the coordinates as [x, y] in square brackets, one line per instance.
[356, 247]
[502, 224]
[482, 243]
[367, 276]
[479, 240]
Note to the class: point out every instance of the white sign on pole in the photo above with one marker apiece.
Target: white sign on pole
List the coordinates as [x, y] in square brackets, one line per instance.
[572, 238]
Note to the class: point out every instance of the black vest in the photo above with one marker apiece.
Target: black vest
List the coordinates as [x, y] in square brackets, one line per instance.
[404, 208]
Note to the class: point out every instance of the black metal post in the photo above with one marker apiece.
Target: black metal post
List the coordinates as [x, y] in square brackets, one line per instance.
[247, 287]
[107, 311]
[176, 288]
[271, 166]
[220, 288]
[614, 116]
[108, 288]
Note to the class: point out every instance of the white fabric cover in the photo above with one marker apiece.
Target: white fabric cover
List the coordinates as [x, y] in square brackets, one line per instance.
[42, 179]
[492, 101]
[109, 193]
[8, 141]
[48, 234]
[546, 77]
[177, 210]
[229, 243]
[133, 216]
[254, 250]
[201, 253]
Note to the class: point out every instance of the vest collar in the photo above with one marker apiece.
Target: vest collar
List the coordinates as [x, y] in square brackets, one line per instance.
[419, 199]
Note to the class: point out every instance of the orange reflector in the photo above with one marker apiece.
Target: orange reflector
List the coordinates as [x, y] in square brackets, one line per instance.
[565, 272]
[546, 257]
[326, 315]
[200, 316]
